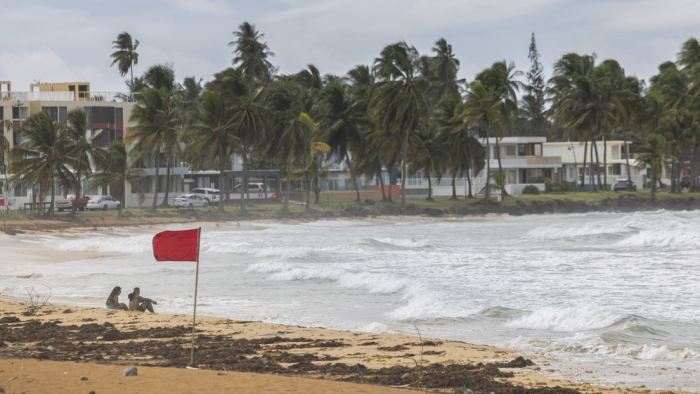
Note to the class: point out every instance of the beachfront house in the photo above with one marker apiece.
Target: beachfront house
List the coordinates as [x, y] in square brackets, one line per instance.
[613, 161]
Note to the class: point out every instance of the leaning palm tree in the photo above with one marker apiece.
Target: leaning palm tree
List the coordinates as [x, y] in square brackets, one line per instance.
[445, 67]
[43, 157]
[211, 136]
[251, 53]
[482, 107]
[125, 55]
[115, 167]
[82, 148]
[343, 120]
[399, 102]
[154, 120]
[654, 158]
[427, 155]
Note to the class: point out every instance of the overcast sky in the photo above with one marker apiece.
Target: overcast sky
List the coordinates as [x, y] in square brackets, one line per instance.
[61, 41]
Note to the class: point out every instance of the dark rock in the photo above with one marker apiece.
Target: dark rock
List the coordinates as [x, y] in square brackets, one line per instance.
[108, 324]
[389, 210]
[519, 362]
[458, 210]
[111, 335]
[9, 319]
[369, 201]
[355, 211]
[83, 378]
[411, 210]
[309, 213]
[431, 211]
[131, 371]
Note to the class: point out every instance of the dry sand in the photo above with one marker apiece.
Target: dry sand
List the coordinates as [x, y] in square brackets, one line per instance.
[98, 344]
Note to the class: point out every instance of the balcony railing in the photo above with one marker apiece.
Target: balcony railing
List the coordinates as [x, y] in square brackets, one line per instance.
[543, 160]
[116, 97]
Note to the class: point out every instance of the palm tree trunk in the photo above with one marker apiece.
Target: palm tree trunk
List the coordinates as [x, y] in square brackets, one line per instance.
[381, 181]
[627, 157]
[317, 190]
[77, 193]
[308, 189]
[244, 184]
[53, 194]
[122, 197]
[469, 182]
[498, 156]
[454, 186]
[694, 168]
[488, 165]
[285, 206]
[404, 175]
[653, 188]
[605, 161]
[583, 170]
[597, 163]
[590, 165]
[167, 184]
[155, 189]
[132, 78]
[222, 179]
[430, 188]
[352, 175]
[391, 175]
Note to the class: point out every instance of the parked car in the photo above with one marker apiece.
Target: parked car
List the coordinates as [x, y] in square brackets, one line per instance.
[211, 195]
[67, 203]
[623, 184]
[190, 201]
[686, 181]
[103, 203]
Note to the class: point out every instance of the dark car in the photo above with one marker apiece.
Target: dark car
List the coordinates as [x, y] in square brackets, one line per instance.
[623, 184]
[686, 181]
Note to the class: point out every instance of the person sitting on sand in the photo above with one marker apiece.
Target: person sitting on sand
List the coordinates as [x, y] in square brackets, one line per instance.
[141, 304]
[113, 300]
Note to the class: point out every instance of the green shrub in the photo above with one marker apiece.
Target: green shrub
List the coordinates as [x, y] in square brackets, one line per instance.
[531, 189]
[561, 187]
[540, 179]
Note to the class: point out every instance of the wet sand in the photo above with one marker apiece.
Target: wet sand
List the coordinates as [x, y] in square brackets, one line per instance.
[98, 344]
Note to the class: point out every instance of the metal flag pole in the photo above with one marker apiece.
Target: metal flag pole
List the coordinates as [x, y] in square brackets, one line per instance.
[196, 282]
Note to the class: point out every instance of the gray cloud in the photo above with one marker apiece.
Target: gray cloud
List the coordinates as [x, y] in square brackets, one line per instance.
[71, 40]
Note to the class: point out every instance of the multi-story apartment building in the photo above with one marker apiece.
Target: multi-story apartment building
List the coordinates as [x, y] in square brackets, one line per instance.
[107, 111]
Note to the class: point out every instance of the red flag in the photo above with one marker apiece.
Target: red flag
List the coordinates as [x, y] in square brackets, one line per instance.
[175, 245]
[2, 202]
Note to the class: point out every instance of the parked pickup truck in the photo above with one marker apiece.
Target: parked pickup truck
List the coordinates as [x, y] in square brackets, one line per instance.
[67, 203]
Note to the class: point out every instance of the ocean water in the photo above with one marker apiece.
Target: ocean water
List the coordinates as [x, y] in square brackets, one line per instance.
[609, 299]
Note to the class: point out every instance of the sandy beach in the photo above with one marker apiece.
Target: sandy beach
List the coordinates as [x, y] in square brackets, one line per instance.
[91, 346]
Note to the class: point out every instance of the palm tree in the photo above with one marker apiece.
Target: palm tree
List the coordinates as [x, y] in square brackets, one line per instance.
[343, 120]
[501, 77]
[428, 155]
[211, 136]
[689, 55]
[82, 148]
[482, 107]
[249, 118]
[155, 120]
[115, 167]
[445, 67]
[125, 55]
[292, 133]
[654, 158]
[42, 157]
[251, 54]
[399, 102]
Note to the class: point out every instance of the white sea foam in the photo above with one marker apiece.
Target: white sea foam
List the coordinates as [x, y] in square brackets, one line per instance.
[108, 244]
[568, 319]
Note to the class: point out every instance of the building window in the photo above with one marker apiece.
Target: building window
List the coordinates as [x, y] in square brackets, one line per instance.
[52, 112]
[510, 150]
[15, 113]
[538, 149]
[415, 179]
[616, 169]
[521, 150]
[62, 115]
[20, 190]
[571, 173]
[496, 153]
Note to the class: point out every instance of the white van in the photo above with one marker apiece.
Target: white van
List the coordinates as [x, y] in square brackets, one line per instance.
[255, 190]
[211, 195]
